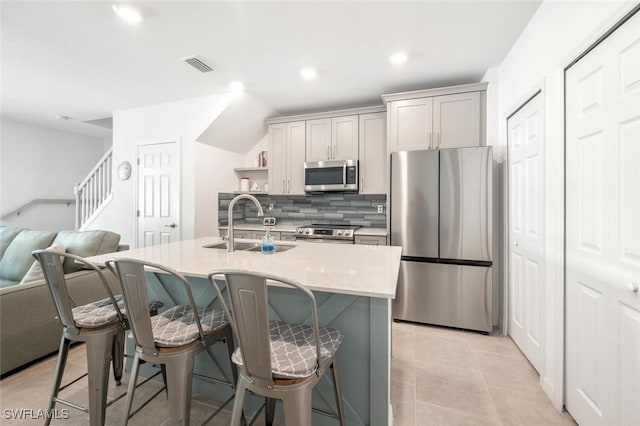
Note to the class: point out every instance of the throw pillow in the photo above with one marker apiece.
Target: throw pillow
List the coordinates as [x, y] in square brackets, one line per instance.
[86, 244]
[35, 272]
[17, 258]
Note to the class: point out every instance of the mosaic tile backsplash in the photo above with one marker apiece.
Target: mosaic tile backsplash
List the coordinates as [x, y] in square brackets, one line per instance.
[334, 208]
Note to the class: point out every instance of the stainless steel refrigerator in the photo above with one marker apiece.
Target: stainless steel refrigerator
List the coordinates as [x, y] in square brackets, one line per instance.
[441, 215]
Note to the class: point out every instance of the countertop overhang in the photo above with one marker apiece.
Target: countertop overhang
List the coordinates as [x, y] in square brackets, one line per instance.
[361, 270]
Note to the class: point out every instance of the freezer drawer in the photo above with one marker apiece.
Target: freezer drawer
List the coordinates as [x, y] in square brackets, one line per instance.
[452, 295]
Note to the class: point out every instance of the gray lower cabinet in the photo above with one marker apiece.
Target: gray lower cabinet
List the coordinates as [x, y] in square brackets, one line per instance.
[256, 235]
[287, 236]
[242, 233]
[371, 240]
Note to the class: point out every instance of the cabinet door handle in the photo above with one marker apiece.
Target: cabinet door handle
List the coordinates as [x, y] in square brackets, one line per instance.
[632, 287]
[438, 139]
[430, 140]
[361, 185]
[288, 186]
[284, 187]
[328, 152]
[334, 152]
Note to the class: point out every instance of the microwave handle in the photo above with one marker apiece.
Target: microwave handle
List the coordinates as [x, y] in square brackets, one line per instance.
[344, 174]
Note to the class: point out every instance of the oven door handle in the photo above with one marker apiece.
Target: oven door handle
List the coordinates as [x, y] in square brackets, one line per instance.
[324, 240]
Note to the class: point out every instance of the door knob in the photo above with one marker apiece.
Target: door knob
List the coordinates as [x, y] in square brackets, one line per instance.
[173, 225]
[632, 287]
[517, 245]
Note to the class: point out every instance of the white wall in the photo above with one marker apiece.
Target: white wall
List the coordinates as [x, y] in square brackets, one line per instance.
[251, 159]
[205, 170]
[37, 162]
[556, 34]
[215, 175]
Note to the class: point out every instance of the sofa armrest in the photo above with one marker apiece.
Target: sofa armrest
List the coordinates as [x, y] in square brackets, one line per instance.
[29, 328]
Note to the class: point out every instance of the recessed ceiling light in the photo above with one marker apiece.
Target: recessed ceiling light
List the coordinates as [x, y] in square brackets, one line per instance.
[308, 73]
[398, 58]
[236, 85]
[62, 117]
[128, 13]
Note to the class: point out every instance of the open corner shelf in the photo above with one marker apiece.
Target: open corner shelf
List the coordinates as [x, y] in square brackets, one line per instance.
[250, 169]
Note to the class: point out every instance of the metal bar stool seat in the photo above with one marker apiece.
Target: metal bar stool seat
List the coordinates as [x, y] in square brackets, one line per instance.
[103, 310]
[172, 338]
[100, 328]
[293, 349]
[277, 360]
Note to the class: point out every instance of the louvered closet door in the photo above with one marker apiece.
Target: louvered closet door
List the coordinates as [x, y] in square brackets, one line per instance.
[603, 232]
[526, 230]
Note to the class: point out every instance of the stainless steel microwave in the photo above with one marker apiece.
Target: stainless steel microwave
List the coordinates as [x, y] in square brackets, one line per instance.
[334, 175]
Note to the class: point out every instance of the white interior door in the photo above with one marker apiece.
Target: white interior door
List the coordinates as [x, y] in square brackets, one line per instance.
[158, 194]
[603, 231]
[526, 230]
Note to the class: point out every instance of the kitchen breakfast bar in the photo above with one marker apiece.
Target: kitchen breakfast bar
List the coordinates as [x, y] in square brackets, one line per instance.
[353, 286]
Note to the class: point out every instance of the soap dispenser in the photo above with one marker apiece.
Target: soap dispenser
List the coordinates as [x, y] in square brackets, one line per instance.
[267, 247]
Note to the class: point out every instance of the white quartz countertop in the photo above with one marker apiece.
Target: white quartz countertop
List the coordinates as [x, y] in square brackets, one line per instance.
[361, 270]
[382, 232]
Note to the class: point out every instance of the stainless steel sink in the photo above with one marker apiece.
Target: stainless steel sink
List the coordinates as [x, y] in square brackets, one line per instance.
[238, 245]
[246, 246]
[279, 247]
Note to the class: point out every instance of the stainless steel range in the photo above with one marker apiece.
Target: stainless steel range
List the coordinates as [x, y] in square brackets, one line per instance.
[327, 233]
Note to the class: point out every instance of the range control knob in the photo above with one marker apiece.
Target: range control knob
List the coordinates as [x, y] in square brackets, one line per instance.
[300, 231]
[308, 231]
[347, 233]
[340, 233]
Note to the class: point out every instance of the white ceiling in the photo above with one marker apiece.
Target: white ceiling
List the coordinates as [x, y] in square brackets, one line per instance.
[81, 60]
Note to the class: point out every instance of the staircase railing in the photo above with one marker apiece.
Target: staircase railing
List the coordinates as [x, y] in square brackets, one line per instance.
[95, 190]
[34, 203]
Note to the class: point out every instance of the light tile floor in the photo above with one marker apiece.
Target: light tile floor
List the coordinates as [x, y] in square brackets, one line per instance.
[440, 376]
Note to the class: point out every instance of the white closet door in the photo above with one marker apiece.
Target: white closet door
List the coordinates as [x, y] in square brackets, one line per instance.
[624, 222]
[603, 232]
[526, 230]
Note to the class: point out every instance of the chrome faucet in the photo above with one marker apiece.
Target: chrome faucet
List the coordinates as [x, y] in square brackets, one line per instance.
[230, 239]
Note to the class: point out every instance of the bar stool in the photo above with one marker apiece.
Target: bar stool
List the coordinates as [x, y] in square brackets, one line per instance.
[172, 338]
[277, 360]
[97, 326]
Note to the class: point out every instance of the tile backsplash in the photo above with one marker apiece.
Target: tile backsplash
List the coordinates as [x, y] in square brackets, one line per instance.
[335, 208]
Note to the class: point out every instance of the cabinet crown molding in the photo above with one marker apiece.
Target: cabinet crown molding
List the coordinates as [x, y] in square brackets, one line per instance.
[326, 114]
[476, 87]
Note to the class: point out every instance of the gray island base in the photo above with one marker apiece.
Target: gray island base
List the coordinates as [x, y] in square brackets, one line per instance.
[353, 286]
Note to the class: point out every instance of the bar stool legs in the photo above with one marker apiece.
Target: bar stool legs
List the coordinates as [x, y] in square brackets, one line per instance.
[99, 346]
[117, 356]
[57, 381]
[99, 349]
[338, 391]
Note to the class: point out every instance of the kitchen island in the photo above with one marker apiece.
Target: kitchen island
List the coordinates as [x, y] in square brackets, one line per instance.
[353, 285]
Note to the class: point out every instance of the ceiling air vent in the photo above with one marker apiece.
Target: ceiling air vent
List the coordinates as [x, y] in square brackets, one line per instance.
[197, 63]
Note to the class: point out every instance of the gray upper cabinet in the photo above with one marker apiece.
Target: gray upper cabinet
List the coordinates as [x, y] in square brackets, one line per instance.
[411, 124]
[286, 158]
[333, 138]
[373, 153]
[447, 117]
[318, 140]
[456, 120]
